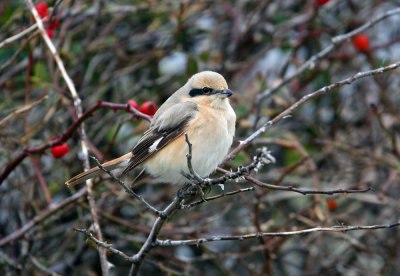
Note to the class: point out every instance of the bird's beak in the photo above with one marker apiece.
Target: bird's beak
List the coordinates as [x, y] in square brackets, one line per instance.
[225, 93]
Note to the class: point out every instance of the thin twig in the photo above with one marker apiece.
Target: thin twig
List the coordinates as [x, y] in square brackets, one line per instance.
[126, 188]
[297, 190]
[23, 109]
[104, 244]
[19, 35]
[306, 192]
[18, 52]
[193, 173]
[216, 197]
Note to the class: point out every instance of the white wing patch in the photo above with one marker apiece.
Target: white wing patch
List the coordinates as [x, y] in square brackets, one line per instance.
[155, 144]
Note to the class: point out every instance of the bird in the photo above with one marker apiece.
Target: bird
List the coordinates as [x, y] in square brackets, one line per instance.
[201, 110]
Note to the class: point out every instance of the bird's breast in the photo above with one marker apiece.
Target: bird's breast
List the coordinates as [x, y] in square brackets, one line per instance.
[210, 132]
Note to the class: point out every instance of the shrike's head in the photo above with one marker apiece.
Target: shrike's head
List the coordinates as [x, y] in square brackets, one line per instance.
[207, 88]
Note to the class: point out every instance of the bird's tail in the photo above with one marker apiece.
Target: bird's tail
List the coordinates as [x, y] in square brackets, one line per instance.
[119, 162]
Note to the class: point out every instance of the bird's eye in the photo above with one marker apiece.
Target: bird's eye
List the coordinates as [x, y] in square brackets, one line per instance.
[206, 89]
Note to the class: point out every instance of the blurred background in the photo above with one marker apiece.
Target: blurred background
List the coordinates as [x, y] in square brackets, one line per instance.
[143, 51]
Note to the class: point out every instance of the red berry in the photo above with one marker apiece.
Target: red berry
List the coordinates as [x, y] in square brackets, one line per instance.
[41, 8]
[53, 24]
[50, 33]
[148, 108]
[133, 104]
[322, 2]
[59, 151]
[332, 204]
[361, 42]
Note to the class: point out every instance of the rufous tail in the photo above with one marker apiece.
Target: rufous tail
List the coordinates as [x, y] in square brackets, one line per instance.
[119, 162]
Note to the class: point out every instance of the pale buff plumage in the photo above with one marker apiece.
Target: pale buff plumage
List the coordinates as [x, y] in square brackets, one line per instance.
[209, 121]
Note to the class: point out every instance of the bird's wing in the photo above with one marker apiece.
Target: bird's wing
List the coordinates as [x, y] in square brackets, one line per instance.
[165, 127]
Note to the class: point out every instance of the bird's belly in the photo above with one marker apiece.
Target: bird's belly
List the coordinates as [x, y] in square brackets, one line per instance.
[211, 142]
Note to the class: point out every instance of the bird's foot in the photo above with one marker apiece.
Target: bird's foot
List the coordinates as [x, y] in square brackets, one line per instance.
[196, 184]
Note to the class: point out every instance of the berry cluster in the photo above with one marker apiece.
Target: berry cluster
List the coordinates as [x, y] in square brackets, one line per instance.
[42, 10]
[148, 107]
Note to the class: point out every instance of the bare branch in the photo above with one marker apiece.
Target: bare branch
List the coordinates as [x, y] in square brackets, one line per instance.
[339, 228]
[216, 197]
[104, 244]
[300, 191]
[19, 35]
[23, 109]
